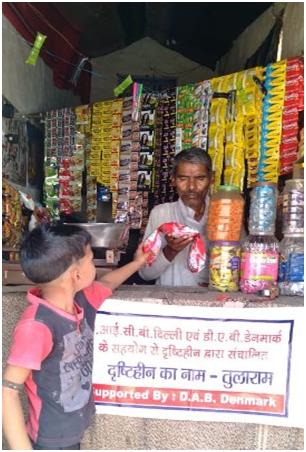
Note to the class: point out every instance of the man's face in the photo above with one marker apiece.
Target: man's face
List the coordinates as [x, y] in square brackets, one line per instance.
[192, 182]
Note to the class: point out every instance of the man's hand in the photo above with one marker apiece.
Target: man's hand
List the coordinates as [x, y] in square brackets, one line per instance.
[175, 245]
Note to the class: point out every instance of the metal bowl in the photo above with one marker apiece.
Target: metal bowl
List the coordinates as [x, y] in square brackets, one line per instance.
[106, 235]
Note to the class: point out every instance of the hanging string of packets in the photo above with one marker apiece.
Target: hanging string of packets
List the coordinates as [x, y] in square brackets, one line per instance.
[244, 101]
[106, 135]
[293, 103]
[235, 114]
[216, 132]
[271, 127]
[203, 95]
[250, 96]
[192, 103]
[234, 141]
[83, 139]
[186, 103]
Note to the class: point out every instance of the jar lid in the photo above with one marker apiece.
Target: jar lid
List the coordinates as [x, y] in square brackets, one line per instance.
[294, 181]
[262, 233]
[229, 187]
[262, 236]
[224, 243]
[291, 234]
[265, 292]
[265, 184]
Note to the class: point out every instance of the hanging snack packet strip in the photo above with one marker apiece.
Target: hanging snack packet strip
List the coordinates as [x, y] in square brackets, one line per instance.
[203, 95]
[216, 135]
[294, 91]
[268, 167]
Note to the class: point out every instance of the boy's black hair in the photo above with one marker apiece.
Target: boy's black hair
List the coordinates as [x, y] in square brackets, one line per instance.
[47, 251]
[192, 155]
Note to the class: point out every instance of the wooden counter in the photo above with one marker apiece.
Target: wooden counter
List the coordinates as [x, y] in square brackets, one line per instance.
[127, 433]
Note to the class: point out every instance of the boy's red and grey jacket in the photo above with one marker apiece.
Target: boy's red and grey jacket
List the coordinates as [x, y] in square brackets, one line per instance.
[58, 348]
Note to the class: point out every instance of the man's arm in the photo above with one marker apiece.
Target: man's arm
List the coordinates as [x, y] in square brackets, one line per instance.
[14, 427]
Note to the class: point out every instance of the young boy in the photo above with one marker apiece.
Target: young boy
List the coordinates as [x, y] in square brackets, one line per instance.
[52, 348]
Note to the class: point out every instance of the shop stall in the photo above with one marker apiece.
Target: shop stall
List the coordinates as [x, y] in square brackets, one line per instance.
[108, 164]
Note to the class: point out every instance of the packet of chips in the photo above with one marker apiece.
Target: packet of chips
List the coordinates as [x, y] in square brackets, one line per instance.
[197, 252]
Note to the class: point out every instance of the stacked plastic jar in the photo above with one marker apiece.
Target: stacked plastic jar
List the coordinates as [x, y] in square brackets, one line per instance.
[291, 268]
[225, 217]
[260, 251]
[263, 209]
[293, 207]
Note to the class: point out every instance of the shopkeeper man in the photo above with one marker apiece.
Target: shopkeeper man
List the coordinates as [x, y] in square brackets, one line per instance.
[191, 176]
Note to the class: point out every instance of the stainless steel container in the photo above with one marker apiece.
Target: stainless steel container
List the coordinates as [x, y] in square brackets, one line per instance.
[112, 236]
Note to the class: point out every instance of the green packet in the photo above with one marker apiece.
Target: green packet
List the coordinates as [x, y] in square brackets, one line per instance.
[34, 54]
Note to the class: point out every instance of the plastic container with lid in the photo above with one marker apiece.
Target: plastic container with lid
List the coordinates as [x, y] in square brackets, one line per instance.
[263, 209]
[291, 265]
[293, 207]
[224, 266]
[225, 214]
[259, 263]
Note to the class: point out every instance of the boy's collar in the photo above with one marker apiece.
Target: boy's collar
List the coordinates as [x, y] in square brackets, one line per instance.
[34, 296]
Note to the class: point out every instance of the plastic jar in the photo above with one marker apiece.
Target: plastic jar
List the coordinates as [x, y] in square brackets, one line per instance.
[293, 207]
[291, 266]
[259, 263]
[225, 214]
[263, 209]
[224, 266]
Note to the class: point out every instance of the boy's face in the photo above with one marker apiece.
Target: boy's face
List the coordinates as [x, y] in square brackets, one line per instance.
[191, 181]
[86, 269]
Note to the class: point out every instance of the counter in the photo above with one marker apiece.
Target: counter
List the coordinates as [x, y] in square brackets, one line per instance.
[118, 432]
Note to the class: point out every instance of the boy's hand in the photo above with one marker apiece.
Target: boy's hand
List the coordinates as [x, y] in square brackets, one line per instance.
[140, 256]
[116, 277]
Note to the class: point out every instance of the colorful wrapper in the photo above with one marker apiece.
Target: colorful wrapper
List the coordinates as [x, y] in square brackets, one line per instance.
[197, 253]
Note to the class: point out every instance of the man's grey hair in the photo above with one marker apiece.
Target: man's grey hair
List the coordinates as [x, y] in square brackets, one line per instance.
[192, 155]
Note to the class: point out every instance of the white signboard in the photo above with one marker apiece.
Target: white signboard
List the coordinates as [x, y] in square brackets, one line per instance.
[194, 363]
